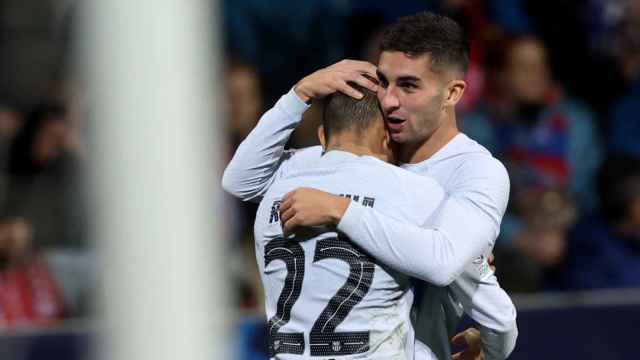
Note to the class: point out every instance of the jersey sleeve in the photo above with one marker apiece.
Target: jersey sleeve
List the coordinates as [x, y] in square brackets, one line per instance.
[464, 227]
[485, 183]
[261, 157]
[435, 254]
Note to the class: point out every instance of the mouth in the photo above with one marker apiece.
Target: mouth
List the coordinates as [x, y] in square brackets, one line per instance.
[395, 124]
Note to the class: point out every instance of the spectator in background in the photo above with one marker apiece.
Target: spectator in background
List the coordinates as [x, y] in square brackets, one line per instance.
[285, 39]
[604, 248]
[29, 295]
[624, 127]
[10, 122]
[245, 101]
[548, 143]
[44, 180]
[541, 245]
[244, 95]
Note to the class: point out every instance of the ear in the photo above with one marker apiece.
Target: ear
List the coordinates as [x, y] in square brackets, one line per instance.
[389, 147]
[454, 91]
[386, 139]
[321, 138]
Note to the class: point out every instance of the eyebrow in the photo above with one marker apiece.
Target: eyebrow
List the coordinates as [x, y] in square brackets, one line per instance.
[409, 78]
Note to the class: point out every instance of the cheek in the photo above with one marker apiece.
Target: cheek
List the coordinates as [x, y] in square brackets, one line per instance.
[424, 106]
[425, 113]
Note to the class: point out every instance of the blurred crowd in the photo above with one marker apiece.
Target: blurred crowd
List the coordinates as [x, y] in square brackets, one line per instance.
[553, 91]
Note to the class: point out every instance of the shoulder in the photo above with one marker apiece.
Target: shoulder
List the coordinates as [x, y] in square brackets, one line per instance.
[412, 197]
[483, 165]
[410, 180]
[312, 152]
[479, 177]
[475, 161]
[400, 177]
[298, 159]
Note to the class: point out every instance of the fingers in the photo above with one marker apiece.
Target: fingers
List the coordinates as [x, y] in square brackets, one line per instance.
[459, 339]
[473, 332]
[469, 338]
[286, 215]
[363, 67]
[290, 225]
[288, 212]
[346, 89]
[463, 355]
[354, 71]
[286, 208]
[286, 202]
[366, 83]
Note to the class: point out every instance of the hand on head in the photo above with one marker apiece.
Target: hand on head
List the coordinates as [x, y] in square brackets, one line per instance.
[336, 78]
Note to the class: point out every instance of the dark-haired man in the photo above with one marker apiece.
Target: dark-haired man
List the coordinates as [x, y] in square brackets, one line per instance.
[421, 69]
[325, 297]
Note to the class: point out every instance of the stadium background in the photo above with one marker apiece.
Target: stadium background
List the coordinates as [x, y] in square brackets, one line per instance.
[554, 92]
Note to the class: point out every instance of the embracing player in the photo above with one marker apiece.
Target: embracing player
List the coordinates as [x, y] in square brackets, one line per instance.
[421, 68]
[324, 296]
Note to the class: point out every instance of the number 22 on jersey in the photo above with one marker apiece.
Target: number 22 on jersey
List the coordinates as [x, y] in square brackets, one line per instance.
[323, 338]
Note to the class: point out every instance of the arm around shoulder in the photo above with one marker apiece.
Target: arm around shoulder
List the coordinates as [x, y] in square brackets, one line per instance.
[260, 156]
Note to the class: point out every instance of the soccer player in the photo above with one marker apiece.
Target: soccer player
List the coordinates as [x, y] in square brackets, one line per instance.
[324, 296]
[423, 61]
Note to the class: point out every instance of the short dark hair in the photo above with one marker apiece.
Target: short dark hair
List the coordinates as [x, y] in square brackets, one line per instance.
[342, 112]
[427, 33]
[618, 184]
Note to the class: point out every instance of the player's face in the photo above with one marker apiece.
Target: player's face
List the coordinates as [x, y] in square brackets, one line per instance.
[411, 96]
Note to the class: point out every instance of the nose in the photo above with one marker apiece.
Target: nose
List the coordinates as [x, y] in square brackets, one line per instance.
[388, 100]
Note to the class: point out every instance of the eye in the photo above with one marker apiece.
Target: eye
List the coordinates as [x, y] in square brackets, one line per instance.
[384, 82]
[383, 79]
[408, 85]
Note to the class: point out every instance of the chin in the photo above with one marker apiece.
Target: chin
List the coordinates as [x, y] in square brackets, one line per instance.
[399, 138]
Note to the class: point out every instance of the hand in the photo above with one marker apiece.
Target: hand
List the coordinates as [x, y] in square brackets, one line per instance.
[310, 207]
[334, 78]
[471, 339]
[491, 260]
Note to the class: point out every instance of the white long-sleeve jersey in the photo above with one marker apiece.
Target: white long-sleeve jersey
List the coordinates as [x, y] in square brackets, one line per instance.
[465, 228]
[325, 297]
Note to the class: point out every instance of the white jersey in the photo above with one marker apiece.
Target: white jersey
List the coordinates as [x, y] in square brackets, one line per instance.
[466, 169]
[450, 250]
[325, 297]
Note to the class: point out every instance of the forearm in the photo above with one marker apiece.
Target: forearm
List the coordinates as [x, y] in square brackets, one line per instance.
[436, 255]
[259, 156]
[490, 306]
[498, 345]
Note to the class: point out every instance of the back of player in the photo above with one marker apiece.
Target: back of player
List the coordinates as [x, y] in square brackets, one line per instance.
[325, 297]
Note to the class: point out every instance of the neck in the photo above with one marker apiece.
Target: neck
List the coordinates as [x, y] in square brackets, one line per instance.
[359, 148]
[421, 151]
